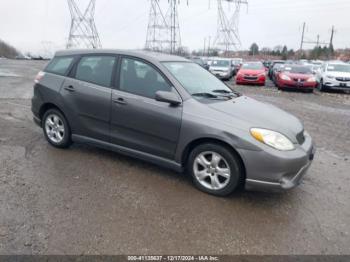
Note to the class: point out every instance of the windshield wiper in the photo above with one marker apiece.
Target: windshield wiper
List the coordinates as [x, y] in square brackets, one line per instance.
[208, 95]
[224, 91]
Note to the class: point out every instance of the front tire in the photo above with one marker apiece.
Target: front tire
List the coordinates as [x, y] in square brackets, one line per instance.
[56, 129]
[321, 87]
[215, 169]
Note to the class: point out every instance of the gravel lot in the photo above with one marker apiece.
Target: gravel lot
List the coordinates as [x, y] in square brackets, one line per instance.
[90, 201]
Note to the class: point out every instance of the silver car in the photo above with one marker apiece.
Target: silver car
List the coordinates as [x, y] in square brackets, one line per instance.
[170, 111]
[222, 68]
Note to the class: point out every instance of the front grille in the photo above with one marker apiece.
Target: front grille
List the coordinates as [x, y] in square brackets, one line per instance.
[301, 138]
[251, 78]
[299, 80]
[343, 79]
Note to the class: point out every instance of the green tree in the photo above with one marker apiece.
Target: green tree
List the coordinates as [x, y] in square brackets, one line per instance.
[284, 53]
[254, 49]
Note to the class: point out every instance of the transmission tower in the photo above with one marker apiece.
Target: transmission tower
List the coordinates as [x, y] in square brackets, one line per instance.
[227, 37]
[173, 18]
[83, 32]
[157, 32]
[163, 33]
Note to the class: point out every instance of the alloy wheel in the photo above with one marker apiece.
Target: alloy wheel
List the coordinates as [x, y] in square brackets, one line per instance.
[211, 170]
[54, 128]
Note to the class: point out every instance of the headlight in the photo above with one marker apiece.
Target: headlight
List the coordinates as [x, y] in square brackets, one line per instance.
[311, 79]
[330, 77]
[285, 77]
[272, 138]
[262, 74]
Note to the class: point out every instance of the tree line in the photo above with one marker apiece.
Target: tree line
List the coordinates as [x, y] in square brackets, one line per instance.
[7, 50]
[325, 52]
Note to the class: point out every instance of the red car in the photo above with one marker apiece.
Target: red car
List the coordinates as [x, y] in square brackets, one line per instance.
[296, 77]
[251, 73]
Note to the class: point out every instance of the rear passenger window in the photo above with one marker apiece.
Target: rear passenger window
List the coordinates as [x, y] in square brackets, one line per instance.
[59, 65]
[96, 69]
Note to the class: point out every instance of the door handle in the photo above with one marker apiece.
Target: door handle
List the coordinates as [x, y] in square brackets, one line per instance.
[69, 88]
[120, 101]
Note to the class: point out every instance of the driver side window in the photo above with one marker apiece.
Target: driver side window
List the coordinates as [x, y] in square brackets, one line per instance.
[140, 78]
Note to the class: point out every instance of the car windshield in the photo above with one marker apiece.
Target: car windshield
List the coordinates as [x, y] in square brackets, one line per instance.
[278, 66]
[221, 63]
[195, 79]
[298, 69]
[198, 61]
[339, 68]
[253, 66]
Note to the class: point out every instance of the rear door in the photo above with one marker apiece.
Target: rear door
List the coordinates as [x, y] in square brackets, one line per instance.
[138, 121]
[87, 96]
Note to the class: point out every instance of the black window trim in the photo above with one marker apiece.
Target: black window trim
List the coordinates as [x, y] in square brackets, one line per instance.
[118, 73]
[73, 70]
[66, 73]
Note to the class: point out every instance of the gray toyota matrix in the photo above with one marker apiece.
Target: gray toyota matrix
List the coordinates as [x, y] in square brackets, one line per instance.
[170, 111]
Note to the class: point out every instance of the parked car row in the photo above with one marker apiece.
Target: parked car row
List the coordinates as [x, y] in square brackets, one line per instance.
[300, 75]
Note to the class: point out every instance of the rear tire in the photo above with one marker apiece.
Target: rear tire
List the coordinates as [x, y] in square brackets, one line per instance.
[215, 169]
[56, 129]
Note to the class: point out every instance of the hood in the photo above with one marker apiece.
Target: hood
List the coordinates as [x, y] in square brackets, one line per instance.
[260, 115]
[251, 71]
[338, 74]
[299, 76]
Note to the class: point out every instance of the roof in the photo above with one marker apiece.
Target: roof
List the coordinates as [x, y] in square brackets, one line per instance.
[154, 56]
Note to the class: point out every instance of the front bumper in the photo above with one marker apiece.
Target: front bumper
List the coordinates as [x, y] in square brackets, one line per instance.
[257, 81]
[221, 75]
[337, 85]
[276, 171]
[297, 85]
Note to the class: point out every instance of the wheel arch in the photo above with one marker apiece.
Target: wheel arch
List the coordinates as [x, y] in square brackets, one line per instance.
[193, 144]
[46, 106]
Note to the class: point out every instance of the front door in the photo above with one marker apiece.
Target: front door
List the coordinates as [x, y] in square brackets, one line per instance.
[138, 121]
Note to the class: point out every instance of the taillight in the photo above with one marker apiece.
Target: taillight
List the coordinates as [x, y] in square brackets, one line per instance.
[39, 76]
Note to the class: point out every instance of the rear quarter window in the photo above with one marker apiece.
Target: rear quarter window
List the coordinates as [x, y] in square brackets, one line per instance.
[59, 65]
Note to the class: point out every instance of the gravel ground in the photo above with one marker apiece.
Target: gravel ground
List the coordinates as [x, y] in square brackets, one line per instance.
[89, 201]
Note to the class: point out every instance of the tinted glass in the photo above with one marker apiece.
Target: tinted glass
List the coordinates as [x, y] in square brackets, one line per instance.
[221, 63]
[59, 65]
[96, 69]
[194, 78]
[339, 68]
[298, 69]
[139, 78]
[253, 66]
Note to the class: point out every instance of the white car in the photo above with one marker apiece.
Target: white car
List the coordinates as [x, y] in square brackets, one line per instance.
[335, 76]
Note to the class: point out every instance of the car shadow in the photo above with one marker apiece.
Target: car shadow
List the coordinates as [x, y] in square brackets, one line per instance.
[239, 195]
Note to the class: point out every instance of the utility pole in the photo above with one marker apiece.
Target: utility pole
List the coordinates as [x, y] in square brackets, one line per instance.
[302, 38]
[83, 32]
[205, 39]
[332, 36]
[318, 41]
[209, 46]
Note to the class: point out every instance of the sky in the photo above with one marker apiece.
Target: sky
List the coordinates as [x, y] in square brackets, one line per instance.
[32, 25]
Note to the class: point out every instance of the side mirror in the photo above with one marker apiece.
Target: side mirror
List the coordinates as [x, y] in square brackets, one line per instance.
[168, 97]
